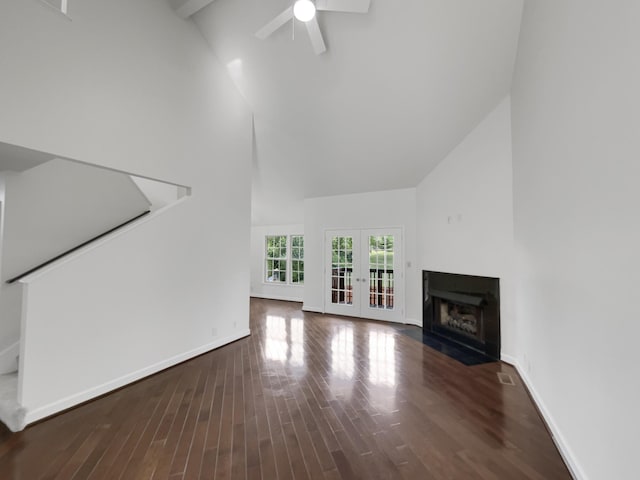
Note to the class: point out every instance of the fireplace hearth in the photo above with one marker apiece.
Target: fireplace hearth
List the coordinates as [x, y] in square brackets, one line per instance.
[464, 309]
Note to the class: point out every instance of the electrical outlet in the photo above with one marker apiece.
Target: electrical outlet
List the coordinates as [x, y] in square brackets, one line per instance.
[214, 331]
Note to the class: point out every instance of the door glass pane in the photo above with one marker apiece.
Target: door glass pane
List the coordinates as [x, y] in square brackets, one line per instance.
[342, 270]
[381, 280]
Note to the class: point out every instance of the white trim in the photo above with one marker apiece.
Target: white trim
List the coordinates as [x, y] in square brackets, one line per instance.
[358, 233]
[402, 321]
[506, 358]
[307, 308]
[413, 321]
[284, 298]
[75, 399]
[562, 445]
[288, 260]
[283, 284]
[23, 340]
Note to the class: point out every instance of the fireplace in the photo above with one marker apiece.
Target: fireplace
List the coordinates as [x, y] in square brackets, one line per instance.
[460, 318]
[464, 309]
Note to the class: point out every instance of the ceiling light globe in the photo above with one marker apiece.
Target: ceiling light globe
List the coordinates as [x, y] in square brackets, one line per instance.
[304, 10]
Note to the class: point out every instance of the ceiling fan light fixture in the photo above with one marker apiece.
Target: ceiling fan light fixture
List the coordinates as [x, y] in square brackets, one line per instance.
[304, 10]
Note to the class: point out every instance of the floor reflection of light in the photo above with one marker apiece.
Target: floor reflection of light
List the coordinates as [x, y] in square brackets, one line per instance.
[284, 340]
[342, 362]
[297, 342]
[275, 347]
[382, 358]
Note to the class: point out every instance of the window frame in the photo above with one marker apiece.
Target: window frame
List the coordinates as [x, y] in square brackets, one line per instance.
[288, 260]
[280, 259]
[299, 260]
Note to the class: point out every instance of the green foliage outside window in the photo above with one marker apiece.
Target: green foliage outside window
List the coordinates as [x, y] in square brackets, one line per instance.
[380, 252]
[276, 270]
[278, 261]
[297, 259]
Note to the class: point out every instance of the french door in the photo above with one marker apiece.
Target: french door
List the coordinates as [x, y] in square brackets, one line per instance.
[363, 273]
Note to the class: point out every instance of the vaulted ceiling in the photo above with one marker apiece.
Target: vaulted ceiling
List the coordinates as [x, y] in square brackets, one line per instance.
[397, 89]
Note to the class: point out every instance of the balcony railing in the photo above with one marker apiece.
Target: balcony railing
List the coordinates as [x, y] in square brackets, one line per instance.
[381, 287]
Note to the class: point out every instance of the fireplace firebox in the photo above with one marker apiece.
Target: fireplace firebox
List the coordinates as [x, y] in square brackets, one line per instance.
[463, 308]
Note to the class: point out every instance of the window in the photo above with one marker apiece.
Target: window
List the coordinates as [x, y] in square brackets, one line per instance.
[277, 259]
[279, 262]
[297, 259]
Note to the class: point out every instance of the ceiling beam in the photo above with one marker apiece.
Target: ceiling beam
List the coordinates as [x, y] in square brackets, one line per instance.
[188, 7]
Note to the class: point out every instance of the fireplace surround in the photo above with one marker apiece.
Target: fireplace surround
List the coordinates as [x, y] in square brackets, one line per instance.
[464, 309]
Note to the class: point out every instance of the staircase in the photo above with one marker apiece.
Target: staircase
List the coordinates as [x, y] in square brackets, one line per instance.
[12, 414]
[48, 208]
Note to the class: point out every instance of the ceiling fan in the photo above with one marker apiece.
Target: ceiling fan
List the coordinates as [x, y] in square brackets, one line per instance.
[305, 11]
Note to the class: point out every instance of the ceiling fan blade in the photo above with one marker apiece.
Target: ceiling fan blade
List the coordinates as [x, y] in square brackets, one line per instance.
[316, 36]
[275, 24]
[349, 6]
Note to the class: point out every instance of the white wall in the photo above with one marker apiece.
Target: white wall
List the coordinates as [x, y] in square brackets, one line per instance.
[2, 202]
[392, 208]
[10, 295]
[50, 209]
[10, 300]
[160, 194]
[18, 159]
[465, 213]
[150, 100]
[59, 205]
[577, 230]
[260, 288]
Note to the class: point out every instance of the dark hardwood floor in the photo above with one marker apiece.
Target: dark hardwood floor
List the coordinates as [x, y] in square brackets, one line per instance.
[305, 396]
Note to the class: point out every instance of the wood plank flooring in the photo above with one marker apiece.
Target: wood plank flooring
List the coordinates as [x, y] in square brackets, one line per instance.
[306, 396]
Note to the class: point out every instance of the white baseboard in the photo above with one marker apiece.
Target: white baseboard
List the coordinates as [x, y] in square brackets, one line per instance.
[307, 308]
[284, 298]
[75, 399]
[506, 358]
[406, 321]
[563, 447]
[413, 321]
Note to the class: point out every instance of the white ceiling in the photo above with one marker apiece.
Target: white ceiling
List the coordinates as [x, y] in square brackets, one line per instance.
[396, 91]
